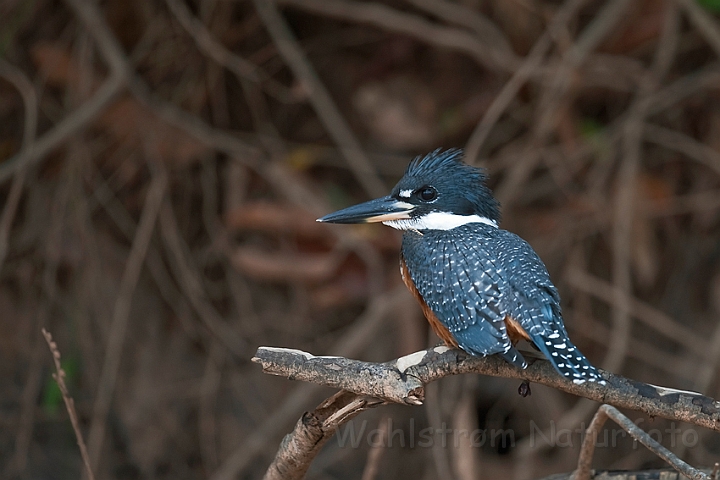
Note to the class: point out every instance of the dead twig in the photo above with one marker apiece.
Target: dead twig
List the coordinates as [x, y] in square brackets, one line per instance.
[648, 315]
[69, 402]
[241, 68]
[403, 380]
[189, 279]
[556, 90]
[372, 466]
[320, 98]
[703, 21]
[72, 123]
[531, 63]
[462, 15]
[624, 213]
[299, 447]
[25, 87]
[682, 143]
[85, 113]
[591, 435]
[355, 340]
[194, 125]
[624, 207]
[388, 18]
[121, 313]
[434, 418]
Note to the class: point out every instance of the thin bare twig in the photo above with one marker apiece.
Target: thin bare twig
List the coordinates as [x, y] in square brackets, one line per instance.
[20, 81]
[354, 341]
[388, 18]
[648, 315]
[682, 143]
[69, 402]
[25, 87]
[706, 372]
[221, 140]
[241, 68]
[485, 30]
[314, 428]
[624, 212]
[189, 279]
[591, 435]
[121, 314]
[372, 465]
[72, 123]
[207, 427]
[572, 59]
[320, 98]
[518, 79]
[556, 89]
[624, 205]
[109, 46]
[85, 113]
[434, 418]
[704, 22]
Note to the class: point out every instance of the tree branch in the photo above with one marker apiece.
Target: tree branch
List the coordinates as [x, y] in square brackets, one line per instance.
[299, 447]
[591, 436]
[403, 381]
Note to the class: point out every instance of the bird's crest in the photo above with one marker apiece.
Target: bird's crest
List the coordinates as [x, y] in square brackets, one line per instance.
[448, 161]
[446, 171]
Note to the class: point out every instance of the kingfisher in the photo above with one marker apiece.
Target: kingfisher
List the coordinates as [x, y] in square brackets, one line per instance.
[481, 288]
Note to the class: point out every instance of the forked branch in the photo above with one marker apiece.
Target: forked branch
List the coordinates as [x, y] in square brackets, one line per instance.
[403, 380]
[365, 385]
[588, 447]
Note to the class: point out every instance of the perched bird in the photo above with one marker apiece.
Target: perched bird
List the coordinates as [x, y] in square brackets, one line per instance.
[481, 288]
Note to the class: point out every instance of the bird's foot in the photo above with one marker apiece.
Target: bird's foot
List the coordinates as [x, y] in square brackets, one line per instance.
[524, 389]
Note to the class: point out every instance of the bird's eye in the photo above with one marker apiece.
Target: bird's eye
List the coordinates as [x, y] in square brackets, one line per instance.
[427, 194]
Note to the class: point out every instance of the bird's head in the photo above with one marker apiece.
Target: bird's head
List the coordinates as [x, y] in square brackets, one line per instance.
[437, 192]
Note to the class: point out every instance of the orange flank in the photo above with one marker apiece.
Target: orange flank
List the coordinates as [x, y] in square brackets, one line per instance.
[515, 331]
[440, 329]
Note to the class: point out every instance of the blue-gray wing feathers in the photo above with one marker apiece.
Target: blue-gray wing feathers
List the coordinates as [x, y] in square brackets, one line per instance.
[474, 276]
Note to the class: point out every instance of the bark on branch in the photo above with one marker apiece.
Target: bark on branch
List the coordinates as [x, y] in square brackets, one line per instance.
[403, 381]
[300, 447]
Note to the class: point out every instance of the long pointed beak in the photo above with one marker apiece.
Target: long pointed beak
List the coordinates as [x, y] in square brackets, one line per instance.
[378, 210]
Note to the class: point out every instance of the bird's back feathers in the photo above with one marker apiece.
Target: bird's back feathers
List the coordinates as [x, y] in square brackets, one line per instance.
[476, 275]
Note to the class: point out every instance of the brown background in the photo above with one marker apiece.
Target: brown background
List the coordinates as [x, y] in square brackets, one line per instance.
[162, 164]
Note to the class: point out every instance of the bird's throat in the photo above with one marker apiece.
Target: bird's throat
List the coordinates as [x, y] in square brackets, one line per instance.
[438, 221]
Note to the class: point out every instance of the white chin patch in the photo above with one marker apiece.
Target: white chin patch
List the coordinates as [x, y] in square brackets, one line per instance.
[438, 221]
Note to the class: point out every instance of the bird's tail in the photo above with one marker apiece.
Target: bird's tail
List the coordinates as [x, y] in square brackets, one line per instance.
[567, 359]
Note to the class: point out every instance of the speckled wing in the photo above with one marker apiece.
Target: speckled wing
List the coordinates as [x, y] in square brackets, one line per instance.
[535, 303]
[474, 276]
[459, 280]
